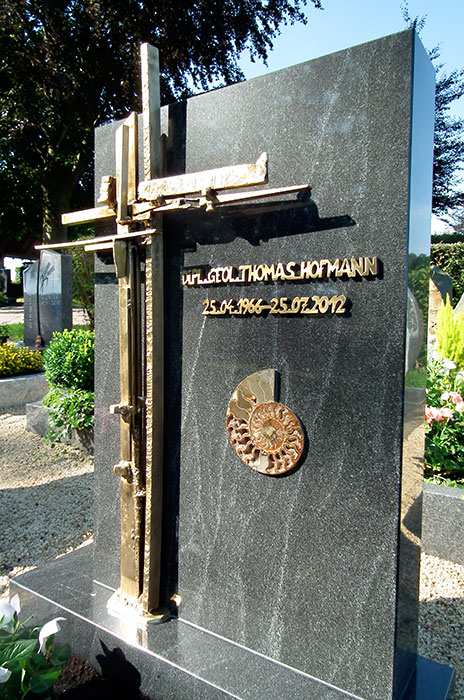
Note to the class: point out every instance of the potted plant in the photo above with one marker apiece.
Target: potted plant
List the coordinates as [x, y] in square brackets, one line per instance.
[3, 333]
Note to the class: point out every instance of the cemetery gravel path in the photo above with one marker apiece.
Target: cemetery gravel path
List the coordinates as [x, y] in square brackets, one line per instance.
[46, 498]
[46, 511]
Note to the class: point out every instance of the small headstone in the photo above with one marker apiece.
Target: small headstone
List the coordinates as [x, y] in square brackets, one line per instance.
[3, 280]
[47, 297]
[414, 332]
[443, 283]
[31, 303]
[55, 293]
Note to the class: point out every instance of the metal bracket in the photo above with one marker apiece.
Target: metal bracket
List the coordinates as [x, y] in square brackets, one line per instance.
[125, 411]
[124, 470]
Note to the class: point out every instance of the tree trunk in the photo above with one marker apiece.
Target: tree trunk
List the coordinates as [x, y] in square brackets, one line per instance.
[56, 199]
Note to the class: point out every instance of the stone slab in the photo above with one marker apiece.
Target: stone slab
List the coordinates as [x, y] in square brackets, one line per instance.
[443, 522]
[37, 418]
[18, 391]
[177, 660]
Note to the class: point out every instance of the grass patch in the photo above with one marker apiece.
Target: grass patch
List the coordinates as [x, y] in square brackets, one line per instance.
[16, 330]
[417, 378]
[442, 481]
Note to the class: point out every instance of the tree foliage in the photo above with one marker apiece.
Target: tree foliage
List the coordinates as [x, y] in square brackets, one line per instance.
[448, 157]
[448, 151]
[69, 65]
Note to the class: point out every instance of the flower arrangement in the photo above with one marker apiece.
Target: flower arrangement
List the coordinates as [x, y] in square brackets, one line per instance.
[30, 663]
[444, 415]
[15, 361]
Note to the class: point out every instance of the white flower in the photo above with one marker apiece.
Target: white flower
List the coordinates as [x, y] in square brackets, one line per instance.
[459, 407]
[445, 396]
[47, 630]
[4, 674]
[7, 610]
[448, 365]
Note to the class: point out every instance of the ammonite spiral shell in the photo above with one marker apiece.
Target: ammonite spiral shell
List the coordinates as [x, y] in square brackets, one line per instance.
[266, 435]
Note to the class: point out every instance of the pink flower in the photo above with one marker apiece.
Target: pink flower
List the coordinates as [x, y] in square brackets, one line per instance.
[455, 397]
[445, 413]
[431, 414]
[437, 414]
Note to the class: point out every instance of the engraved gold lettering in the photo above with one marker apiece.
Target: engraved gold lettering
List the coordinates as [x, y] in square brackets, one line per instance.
[357, 266]
[370, 266]
[344, 269]
[259, 272]
[245, 271]
[331, 267]
[305, 270]
[290, 272]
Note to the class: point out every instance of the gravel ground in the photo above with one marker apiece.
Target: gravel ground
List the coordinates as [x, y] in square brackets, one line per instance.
[46, 498]
[46, 507]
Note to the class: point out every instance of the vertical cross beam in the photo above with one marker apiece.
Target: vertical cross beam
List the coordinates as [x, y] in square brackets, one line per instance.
[154, 315]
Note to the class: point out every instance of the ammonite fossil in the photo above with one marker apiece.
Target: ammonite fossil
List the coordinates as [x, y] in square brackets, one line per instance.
[266, 435]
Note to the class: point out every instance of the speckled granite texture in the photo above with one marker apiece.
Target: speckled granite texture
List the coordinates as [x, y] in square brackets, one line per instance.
[308, 570]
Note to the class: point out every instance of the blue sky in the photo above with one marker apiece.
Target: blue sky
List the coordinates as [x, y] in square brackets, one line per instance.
[345, 23]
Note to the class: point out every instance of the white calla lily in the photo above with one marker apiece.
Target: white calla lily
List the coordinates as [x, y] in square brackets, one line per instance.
[7, 610]
[47, 630]
[15, 603]
[4, 674]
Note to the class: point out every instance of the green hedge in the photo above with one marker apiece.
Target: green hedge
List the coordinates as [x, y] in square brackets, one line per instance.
[69, 359]
[449, 257]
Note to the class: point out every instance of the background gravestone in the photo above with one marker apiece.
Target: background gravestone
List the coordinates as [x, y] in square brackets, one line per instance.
[31, 303]
[47, 296]
[55, 293]
[304, 585]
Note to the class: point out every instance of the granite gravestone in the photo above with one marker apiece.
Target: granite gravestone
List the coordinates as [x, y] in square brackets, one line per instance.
[303, 584]
[47, 297]
[55, 293]
[31, 303]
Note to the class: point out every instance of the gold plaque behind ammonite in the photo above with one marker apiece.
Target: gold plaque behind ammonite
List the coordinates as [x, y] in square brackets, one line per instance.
[266, 435]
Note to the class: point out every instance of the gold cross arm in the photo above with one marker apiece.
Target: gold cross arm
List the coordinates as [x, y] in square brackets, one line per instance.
[178, 192]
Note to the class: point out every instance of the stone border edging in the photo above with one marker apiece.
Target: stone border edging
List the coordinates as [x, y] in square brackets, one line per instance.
[443, 522]
[17, 391]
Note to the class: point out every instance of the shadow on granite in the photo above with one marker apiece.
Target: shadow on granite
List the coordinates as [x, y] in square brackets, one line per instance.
[177, 660]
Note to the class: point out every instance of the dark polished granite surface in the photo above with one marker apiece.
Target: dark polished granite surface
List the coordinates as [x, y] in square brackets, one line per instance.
[176, 660]
[316, 570]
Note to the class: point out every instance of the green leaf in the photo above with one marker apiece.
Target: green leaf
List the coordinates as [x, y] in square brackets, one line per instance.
[21, 649]
[43, 682]
[60, 654]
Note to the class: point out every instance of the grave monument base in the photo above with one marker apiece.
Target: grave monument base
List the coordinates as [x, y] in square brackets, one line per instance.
[178, 660]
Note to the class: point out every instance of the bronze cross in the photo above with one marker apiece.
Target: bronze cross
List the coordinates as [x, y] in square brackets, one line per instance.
[137, 209]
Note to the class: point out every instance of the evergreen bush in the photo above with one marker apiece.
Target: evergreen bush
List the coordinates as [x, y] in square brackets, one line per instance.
[69, 359]
[69, 367]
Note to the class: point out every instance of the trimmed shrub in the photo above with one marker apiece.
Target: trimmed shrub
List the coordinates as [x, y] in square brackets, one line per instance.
[69, 409]
[69, 364]
[69, 359]
[16, 361]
